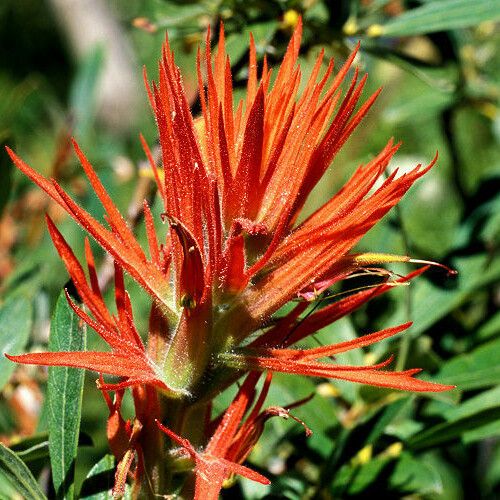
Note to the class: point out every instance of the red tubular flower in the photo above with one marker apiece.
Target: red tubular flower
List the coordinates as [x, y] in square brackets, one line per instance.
[232, 184]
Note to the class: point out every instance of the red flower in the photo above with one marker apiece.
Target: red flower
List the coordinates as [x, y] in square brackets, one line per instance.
[232, 184]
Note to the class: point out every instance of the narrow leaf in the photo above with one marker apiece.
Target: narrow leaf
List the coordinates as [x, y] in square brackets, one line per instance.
[450, 431]
[18, 474]
[474, 370]
[440, 16]
[65, 386]
[15, 327]
[36, 447]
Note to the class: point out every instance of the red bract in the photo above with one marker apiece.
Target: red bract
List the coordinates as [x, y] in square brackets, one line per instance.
[232, 440]
[232, 183]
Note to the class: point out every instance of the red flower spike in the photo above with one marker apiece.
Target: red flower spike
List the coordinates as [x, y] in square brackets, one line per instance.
[154, 248]
[232, 440]
[117, 430]
[232, 183]
[94, 282]
[331, 350]
[128, 358]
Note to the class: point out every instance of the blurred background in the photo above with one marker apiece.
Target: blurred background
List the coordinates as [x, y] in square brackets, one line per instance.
[73, 68]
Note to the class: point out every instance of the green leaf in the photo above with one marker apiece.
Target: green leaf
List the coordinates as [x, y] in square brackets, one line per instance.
[36, 447]
[237, 43]
[474, 410]
[397, 410]
[99, 482]
[411, 475]
[483, 401]
[18, 475]
[490, 328]
[290, 486]
[367, 474]
[439, 79]
[431, 303]
[483, 432]
[15, 327]
[440, 16]
[65, 387]
[429, 197]
[474, 370]
[450, 431]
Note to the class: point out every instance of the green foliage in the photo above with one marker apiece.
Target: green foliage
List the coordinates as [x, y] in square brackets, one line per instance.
[438, 62]
[442, 15]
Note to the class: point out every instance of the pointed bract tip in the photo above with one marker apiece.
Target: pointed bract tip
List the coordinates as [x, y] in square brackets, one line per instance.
[429, 263]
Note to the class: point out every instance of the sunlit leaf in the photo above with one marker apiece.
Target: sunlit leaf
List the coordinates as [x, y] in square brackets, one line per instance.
[441, 16]
[65, 389]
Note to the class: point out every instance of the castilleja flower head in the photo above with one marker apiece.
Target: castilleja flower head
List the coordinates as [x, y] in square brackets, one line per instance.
[232, 183]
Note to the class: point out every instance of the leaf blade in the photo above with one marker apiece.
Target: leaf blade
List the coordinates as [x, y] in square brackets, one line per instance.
[442, 16]
[65, 387]
[16, 471]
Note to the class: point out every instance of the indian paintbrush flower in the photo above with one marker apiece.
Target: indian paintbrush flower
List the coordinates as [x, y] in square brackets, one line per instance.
[232, 183]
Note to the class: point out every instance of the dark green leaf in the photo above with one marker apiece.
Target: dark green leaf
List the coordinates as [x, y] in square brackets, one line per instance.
[37, 446]
[450, 431]
[441, 16]
[367, 474]
[15, 327]
[99, 481]
[490, 328]
[65, 388]
[483, 432]
[412, 475]
[18, 475]
[477, 369]
[431, 303]
[391, 413]
[483, 401]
